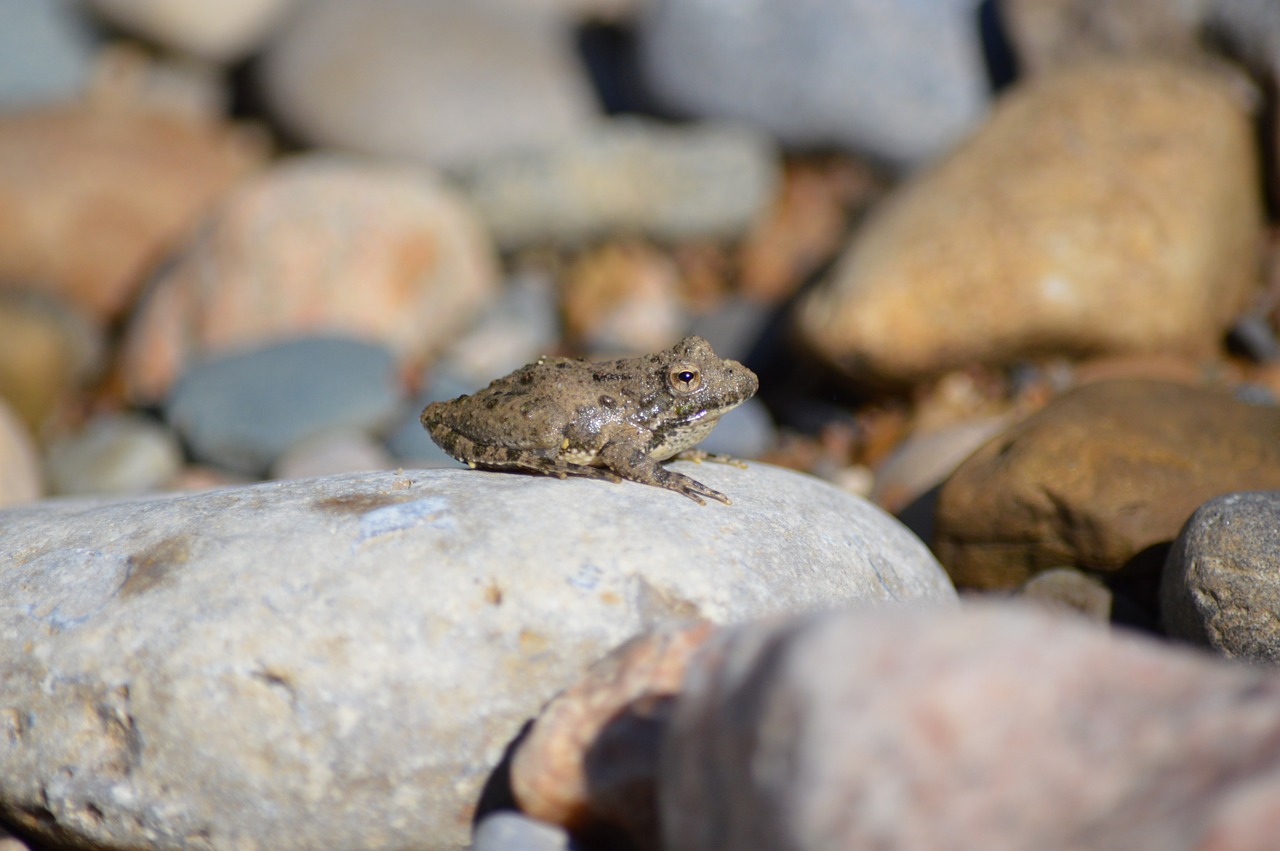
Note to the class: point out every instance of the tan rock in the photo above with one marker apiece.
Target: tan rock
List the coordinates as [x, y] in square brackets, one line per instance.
[591, 757]
[319, 243]
[1106, 210]
[47, 352]
[1098, 476]
[91, 198]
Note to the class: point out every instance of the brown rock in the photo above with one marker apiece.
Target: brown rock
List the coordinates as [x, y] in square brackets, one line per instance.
[91, 198]
[1111, 209]
[589, 760]
[1100, 475]
[984, 727]
[20, 479]
[319, 243]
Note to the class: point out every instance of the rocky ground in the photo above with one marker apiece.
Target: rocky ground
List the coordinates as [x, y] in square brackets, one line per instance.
[1001, 571]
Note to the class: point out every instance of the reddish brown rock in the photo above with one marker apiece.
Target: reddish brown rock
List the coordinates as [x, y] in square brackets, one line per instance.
[319, 243]
[93, 197]
[1099, 476]
[590, 759]
[984, 727]
[1111, 209]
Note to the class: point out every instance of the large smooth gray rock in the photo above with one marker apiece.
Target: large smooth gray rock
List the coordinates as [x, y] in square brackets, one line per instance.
[1221, 583]
[340, 662]
[445, 83]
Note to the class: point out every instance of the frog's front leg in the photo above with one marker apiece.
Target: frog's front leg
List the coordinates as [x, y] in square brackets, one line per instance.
[697, 456]
[629, 460]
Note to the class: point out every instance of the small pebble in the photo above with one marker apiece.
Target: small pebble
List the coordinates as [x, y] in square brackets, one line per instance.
[510, 831]
[114, 454]
[332, 453]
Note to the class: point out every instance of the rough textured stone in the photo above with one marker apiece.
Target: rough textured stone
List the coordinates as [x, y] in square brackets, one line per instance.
[20, 479]
[633, 176]
[899, 81]
[318, 244]
[1221, 583]
[978, 728]
[222, 31]
[447, 83]
[340, 662]
[1098, 476]
[244, 410]
[114, 454]
[91, 197]
[1114, 208]
[590, 759]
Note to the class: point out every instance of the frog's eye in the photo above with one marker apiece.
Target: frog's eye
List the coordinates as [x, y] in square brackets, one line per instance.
[685, 379]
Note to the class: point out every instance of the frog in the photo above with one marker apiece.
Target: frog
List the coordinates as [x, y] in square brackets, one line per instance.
[609, 420]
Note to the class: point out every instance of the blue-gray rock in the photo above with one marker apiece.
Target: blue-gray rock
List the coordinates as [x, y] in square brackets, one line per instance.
[510, 831]
[447, 83]
[340, 662]
[46, 52]
[898, 81]
[1221, 583]
[708, 180]
[242, 411]
[114, 454]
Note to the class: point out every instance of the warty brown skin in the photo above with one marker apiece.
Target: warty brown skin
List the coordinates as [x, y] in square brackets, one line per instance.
[608, 420]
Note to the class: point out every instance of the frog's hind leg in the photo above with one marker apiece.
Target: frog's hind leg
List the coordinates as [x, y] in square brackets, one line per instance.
[634, 465]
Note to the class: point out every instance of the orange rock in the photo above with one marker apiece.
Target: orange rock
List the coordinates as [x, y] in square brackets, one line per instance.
[319, 243]
[91, 198]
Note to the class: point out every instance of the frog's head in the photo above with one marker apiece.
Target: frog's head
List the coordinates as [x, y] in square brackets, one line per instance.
[702, 385]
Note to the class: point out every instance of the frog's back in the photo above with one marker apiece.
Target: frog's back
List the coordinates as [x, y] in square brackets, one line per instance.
[520, 410]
